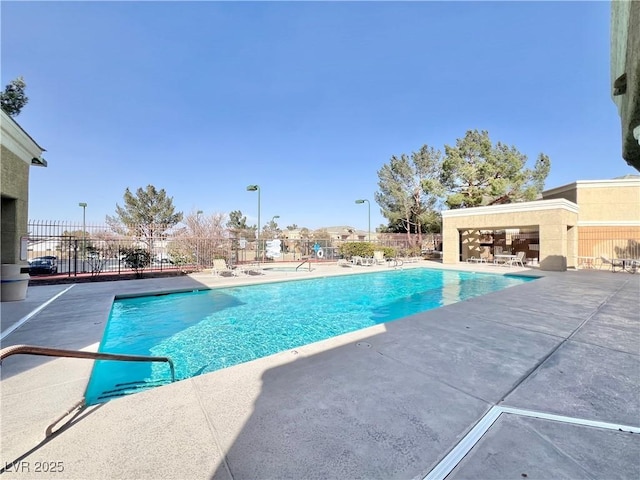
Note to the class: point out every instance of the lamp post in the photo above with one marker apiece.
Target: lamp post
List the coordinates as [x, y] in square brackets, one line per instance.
[369, 205]
[254, 188]
[198, 213]
[84, 232]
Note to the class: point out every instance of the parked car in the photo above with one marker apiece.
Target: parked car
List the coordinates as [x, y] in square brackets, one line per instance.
[162, 261]
[50, 258]
[39, 266]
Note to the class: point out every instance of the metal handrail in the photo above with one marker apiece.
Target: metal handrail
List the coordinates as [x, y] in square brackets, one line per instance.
[395, 262]
[58, 352]
[303, 262]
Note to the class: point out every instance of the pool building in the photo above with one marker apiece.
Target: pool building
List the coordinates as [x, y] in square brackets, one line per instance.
[570, 226]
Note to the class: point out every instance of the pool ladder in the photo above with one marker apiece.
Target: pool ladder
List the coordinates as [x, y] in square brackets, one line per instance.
[303, 262]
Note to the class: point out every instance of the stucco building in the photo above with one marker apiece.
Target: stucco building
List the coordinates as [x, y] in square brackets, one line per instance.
[625, 75]
[18, 153]
[571, 225]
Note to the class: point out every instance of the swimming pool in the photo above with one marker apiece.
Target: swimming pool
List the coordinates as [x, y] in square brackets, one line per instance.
[207, 330]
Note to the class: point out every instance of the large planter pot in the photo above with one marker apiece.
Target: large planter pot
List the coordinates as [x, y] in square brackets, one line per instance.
[13, 284]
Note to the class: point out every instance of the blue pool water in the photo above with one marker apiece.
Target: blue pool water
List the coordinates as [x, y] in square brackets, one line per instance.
[204, 331]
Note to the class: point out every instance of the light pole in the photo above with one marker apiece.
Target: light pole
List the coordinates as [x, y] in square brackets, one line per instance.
[369, 205]
[198, 213]
[253, 188]
[84, 232]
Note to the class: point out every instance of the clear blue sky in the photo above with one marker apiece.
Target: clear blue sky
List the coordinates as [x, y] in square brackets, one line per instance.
[306, 99]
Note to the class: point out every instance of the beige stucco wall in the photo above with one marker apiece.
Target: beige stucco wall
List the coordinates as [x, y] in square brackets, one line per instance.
[611, 204]
[18, 151]
[15, 203]
[603, 202]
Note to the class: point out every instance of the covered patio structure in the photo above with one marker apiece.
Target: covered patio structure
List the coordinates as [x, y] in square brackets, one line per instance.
[555, 221]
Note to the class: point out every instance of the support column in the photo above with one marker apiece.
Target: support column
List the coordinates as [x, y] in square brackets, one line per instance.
[450, 244]
[553, 247]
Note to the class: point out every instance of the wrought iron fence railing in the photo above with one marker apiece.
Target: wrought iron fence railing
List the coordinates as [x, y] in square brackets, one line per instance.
[96, 249]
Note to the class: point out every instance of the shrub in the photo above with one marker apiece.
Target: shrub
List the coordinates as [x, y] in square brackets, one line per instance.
[389, 252]
[137, 259]
[361, 249]
[364, 249]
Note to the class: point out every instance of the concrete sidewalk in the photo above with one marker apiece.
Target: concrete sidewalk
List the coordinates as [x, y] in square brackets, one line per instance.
[525, 366]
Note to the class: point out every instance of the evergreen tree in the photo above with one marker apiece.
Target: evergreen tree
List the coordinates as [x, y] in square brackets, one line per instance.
[475, 172]
[410, 190]
[237, 221]
[146, 214]
[13, 99]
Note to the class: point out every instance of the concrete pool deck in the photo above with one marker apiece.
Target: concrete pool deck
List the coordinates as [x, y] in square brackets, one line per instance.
[407, 399]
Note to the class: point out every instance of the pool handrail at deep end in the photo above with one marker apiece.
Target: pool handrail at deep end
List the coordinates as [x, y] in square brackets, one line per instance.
[59, 352]
[306, 260]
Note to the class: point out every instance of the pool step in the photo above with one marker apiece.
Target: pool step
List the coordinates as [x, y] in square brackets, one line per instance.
[128, 388]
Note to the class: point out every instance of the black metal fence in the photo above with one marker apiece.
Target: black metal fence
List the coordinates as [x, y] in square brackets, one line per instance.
[96, 249]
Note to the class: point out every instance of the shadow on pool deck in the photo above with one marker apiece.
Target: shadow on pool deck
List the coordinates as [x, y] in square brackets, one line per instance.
[385, 402]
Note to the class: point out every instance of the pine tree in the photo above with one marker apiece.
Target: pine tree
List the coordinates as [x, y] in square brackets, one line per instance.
[13, 99]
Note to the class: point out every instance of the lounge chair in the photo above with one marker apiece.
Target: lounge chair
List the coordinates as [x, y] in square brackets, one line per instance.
[367, 261]
[476, 260]
[253, 269]
[395, 262]
[220, 269]
[611, 263]
[378, 257]
[343, 262]
[411, 259]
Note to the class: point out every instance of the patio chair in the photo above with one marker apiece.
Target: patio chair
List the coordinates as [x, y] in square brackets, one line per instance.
[518, 260]
[221, 269]
[612, 264]
[378, 257]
